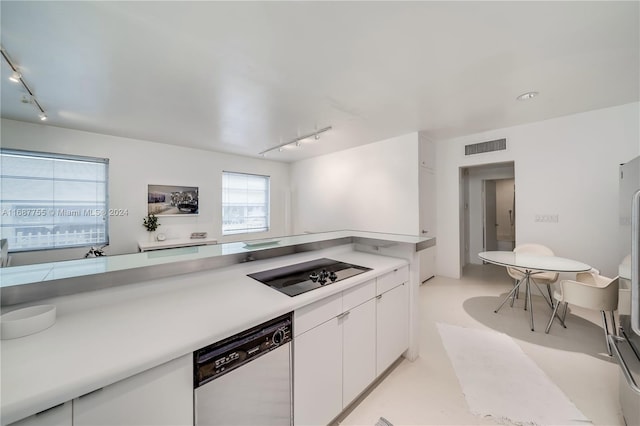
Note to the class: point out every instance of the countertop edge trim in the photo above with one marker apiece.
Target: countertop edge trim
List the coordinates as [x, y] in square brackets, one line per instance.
[25, 293]
[31, 292]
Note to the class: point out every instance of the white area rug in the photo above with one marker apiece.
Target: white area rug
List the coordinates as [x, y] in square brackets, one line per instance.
[499, 380]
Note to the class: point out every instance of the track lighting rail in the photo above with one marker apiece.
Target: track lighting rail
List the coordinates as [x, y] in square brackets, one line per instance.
[296, 141]
[18, 78]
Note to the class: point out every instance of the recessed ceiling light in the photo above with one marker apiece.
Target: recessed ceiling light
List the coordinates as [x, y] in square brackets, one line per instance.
[527, 96]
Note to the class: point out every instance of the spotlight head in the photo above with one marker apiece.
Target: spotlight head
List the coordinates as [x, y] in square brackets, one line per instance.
[15, 77]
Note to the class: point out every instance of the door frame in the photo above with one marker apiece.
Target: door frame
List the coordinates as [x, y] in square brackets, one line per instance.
[470, 206]
[489, 230]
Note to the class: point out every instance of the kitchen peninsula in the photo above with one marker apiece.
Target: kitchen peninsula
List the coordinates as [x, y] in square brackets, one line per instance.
[170, 306]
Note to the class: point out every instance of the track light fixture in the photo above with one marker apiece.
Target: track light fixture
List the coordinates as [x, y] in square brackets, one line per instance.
[17, 77]
[527, 96]
[297, 141]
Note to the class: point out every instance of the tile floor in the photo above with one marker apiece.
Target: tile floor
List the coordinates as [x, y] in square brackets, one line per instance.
[426, 391]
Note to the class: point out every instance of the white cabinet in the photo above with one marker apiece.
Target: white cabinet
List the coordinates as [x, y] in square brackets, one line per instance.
[392, 279]
[427, 202]
[342, 343]
[427, 263]
[358, 340]
[160, 396]
[59, 415]
[313, 315]
[427, 197]
[427, 152]
[334, 353]
[317, 374]
[359, 350]
[392, 326]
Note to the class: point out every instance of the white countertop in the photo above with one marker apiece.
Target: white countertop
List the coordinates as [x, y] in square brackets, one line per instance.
[105, 336]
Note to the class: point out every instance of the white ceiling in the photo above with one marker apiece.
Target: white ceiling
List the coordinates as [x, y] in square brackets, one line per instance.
[241, 77]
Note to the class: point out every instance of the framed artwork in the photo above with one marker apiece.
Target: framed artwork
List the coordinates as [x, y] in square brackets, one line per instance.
[169, 200]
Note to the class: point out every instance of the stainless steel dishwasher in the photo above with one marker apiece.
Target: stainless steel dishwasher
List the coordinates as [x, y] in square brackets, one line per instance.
[246, 379]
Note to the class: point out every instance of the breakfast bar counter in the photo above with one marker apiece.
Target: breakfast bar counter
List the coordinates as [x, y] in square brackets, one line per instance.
[101, 337]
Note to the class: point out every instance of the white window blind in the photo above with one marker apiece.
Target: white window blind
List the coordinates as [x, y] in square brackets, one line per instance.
[50, 201]
[245, 203]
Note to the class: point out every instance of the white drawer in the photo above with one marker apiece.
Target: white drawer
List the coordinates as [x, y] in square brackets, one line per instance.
[312, 315]
[358, 295]
[392, 279]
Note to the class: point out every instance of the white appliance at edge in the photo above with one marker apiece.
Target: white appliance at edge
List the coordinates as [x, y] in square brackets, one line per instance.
[626, 347]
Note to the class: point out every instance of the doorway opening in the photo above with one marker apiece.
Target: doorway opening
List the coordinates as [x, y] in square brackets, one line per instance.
[499, 219]
[488, 210]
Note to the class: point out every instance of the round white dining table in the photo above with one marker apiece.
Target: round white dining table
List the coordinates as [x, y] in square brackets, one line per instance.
[530, 265]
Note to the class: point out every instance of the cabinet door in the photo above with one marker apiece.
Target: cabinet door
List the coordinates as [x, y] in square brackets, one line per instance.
[392, 326]
[359, 350]
[317, 374]
[427, 264]
[160, 396]
[56, 416]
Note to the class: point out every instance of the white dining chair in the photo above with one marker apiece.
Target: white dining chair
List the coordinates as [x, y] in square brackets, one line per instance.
[538, 277]
[589, 290]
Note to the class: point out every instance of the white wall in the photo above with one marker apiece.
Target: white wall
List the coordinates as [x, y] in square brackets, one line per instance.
[566, 166]
[133, 164]
[372, 187]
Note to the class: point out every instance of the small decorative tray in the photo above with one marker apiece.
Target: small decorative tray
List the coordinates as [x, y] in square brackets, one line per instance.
[256, 244]
[26, 321]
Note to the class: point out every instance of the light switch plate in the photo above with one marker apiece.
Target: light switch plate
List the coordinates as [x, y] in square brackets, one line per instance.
[549, 218]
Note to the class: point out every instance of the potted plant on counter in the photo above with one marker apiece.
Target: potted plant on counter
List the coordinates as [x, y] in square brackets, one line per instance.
[151, 224]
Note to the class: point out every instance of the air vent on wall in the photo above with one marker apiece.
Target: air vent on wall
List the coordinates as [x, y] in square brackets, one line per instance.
[479, 148]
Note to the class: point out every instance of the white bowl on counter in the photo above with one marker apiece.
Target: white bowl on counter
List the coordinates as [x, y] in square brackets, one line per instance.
[26, 321]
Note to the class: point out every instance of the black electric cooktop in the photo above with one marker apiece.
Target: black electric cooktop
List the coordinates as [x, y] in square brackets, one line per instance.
[293, 280]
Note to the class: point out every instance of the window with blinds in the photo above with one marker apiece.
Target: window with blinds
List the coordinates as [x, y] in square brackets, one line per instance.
[245, 203]
[52, 201]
